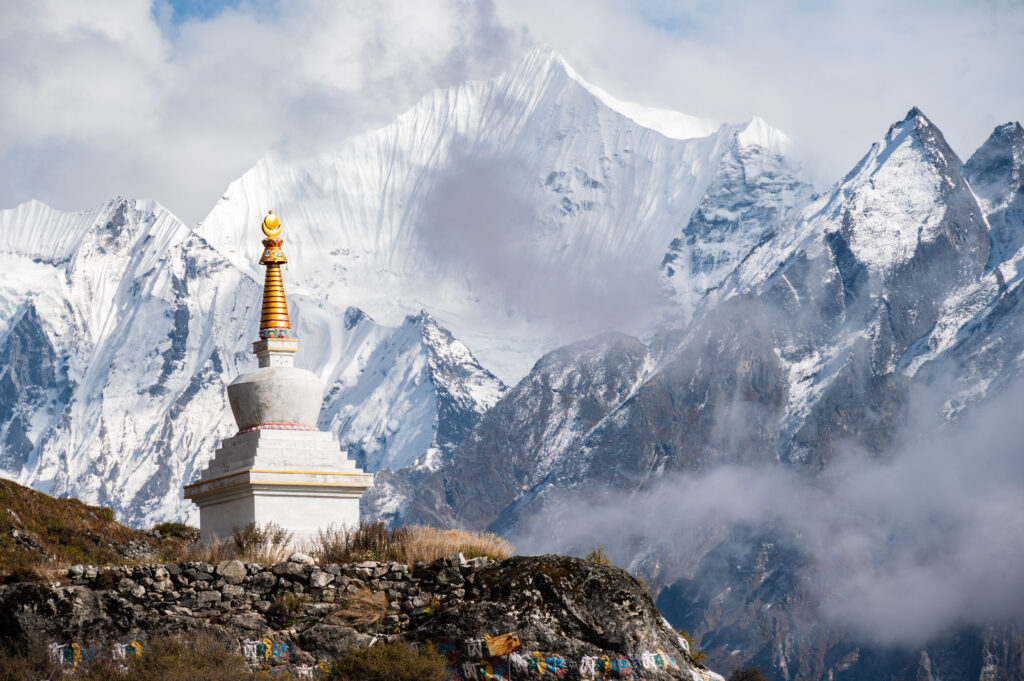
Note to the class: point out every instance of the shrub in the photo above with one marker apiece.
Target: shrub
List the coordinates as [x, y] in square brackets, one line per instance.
[598, 556]
[395, 661]
[696, 655]
[39, 534]
[289, 606]
[175, 658]
[177, 531]
[266, 543]
[430, 543]
[367, 541]
[747, 674]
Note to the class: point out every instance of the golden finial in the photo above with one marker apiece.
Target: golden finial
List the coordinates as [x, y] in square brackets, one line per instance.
[274, 322]
[271, 225]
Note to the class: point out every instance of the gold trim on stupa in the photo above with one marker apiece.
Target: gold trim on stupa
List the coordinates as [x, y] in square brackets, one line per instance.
[274, 322]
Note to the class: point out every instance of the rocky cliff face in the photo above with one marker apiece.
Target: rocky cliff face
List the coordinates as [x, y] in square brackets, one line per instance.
[575, 620]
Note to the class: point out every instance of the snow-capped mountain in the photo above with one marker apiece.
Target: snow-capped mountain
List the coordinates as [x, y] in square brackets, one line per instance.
[813, 339]
[407, 392]
[523, 212]
[517, 211]
[122, 328]
[816, 340]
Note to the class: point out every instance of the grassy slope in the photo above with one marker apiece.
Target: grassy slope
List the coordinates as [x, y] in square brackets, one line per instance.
[39, 533]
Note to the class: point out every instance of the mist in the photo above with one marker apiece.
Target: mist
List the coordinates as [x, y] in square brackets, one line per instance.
[482, 226]
[898, 548]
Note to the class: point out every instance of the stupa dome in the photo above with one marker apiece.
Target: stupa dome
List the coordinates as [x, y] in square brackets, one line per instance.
[276, 395]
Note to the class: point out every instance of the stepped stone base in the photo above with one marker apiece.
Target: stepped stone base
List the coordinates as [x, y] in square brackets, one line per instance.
[300, 480]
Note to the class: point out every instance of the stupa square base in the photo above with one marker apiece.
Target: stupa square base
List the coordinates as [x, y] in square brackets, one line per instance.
[302, 502]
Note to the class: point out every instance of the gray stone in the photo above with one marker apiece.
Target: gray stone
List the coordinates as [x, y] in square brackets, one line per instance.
[76, 570]
[126, 584]
[332, 640]
[160, 573]
[450, 576]
[233, 590]
[232, 571]
[162, 585]
[208, 597]
[319, 579]
[263, 581]
[138, 591]
[301, 558]
[289, 570]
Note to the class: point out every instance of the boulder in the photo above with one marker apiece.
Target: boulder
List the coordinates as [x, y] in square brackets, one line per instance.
[232, 571]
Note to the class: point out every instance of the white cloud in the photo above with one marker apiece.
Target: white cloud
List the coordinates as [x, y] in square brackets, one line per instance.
[832, 75]
[100, 101]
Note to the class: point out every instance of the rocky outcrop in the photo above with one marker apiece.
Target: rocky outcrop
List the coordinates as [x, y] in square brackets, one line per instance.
[574, 619]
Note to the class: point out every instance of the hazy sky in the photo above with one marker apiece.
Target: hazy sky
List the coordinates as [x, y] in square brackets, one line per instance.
[173, 100]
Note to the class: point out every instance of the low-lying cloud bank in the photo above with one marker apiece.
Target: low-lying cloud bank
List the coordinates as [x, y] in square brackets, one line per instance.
[900, 548]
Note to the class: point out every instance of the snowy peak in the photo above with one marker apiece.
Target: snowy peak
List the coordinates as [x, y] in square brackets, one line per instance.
[407, 390]
[903, 194]
[755, 191]
[996, 169]
[444, 209]
[996, 173]
[671, 124]
[757, 133]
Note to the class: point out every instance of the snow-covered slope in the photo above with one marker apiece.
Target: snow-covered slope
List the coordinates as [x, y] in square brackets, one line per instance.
[523, 212]
[121, 329]
[405, 392]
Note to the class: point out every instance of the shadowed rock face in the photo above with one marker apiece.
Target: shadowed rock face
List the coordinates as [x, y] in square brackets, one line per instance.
[33, 381]
[569, 613]
[996, 173]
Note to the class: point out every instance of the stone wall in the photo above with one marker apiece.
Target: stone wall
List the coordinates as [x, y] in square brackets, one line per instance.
[576, 620]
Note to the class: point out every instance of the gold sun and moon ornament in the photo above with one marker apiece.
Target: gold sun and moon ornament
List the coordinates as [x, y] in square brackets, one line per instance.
[274, 321]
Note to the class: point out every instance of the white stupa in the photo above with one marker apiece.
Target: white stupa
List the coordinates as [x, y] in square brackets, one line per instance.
[279, 467]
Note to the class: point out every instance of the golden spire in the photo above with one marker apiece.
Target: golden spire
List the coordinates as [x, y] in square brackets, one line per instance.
[274, 321]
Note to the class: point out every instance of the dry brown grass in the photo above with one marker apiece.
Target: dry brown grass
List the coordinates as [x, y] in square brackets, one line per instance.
[430, 543]
[372, 541]
[265, 544]
[405, 545]
[363, 608]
